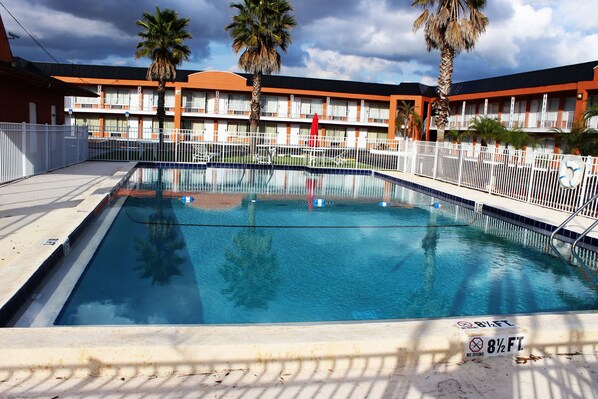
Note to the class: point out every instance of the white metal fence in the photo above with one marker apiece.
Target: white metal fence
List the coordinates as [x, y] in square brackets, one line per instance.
[27, 149]
[527, 176]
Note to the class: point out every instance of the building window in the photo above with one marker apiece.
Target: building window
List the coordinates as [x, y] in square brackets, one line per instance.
[378, 113]
[336, 135]
[236, 128]
[115, 126]
[311, 106]
[194, 102]
[377, 134]
[239, 104]
[339, 110]
[269, 106]
[168, 124]
[92, 123]
[117, 97]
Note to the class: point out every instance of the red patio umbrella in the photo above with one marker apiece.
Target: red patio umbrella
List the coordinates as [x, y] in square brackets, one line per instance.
[313, 132]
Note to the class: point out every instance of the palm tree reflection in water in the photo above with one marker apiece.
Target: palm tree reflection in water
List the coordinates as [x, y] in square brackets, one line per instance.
[157, 256]
[251, 270]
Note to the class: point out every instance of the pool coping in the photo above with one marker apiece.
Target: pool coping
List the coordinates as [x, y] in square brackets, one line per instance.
[163, 350]
[486, 203]
[28, 270]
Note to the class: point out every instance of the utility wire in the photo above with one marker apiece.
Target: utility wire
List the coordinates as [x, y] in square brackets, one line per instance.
[30, 35]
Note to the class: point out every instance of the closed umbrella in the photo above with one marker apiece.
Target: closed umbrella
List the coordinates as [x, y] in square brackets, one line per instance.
[313, 132]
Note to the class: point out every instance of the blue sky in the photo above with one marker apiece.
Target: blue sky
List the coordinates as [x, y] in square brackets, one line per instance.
[362, 40]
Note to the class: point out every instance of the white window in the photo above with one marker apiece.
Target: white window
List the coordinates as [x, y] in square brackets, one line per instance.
[238, 128]
[377, 134]
[117, 97]
[194, 102]
[311, 106]
[169, 100]
[268, 128]
[378, 112]
[336, 134]
[168, 125]
[269, 105]
[92, 121]
[239, 103]
[339, 109]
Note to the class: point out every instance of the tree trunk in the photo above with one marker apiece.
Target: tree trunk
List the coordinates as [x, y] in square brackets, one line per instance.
[445, 78]
[254, 116]
[161, 114]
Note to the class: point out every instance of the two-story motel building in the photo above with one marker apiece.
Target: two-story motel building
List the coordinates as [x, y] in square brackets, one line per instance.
[218, 103]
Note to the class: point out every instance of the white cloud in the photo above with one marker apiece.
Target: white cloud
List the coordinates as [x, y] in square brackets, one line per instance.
[328, 64]
[539, 34]
[504, 42]
[42, 22]
[100, 313]
[367, 40]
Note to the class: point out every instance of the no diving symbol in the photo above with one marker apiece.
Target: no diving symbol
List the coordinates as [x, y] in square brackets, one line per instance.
[464, 324]
[476, 344]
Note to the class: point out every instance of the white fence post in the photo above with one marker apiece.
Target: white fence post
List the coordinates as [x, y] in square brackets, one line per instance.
[531, 178]
[435, 161]
[414, 158]
[460, 172]
[47, 147]
[584, 183]
[24, 149]
[491, 179]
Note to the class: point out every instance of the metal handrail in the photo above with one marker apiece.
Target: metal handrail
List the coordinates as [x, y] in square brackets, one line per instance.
[583, 234]
[572, 216]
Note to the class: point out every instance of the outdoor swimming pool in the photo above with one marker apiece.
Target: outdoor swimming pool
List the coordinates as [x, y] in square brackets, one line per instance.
[275, 246]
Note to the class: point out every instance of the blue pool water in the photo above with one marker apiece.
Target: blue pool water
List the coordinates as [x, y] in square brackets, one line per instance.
[293, 247]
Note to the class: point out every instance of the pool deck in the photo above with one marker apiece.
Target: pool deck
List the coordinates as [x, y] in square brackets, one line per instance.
[414, 358]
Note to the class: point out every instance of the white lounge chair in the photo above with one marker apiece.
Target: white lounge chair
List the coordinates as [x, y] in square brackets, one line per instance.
[201, 153]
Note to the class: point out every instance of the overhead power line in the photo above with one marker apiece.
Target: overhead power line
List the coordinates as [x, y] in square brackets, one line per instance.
[30, 35]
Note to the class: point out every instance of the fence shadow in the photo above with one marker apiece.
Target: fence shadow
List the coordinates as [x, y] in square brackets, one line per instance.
[559, 361]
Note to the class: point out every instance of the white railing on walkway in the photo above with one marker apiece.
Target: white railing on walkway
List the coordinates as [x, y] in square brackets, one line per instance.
[526, 176]
[27, 149]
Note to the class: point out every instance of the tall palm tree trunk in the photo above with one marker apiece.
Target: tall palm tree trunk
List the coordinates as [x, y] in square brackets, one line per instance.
[161, 114]
[447, 56]
[256, 108]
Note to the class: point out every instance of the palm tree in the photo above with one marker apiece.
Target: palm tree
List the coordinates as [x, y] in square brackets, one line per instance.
[404, 114]
[162, 41]
[158, 258]
[459, 135]
[487, 129]
[251, 270]
[449, 26]
[259, 29]
[418, 125]
[581, 139]
[590, 112]
[517, 138]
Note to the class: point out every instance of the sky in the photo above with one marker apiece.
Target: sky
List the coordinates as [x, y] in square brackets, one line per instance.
[359, 40]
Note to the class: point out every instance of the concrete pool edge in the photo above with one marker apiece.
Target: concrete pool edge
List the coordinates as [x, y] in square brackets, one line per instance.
[383, 346]
[29, 269]
[124, 351]
[534, 217]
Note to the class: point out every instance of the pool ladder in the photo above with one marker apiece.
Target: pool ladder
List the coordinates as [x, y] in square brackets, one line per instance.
[581, 236]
